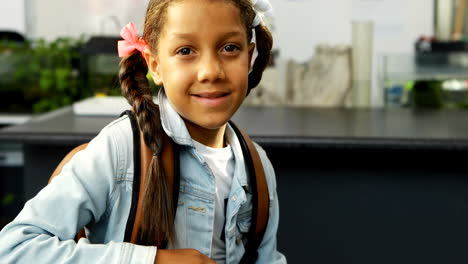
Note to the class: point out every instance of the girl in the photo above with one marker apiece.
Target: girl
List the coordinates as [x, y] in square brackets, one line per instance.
[200, 52]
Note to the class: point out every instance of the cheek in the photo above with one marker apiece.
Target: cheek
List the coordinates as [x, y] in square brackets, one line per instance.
[176, 77]
[239, 72]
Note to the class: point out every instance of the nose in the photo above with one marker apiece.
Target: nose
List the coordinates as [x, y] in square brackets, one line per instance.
[210, 69]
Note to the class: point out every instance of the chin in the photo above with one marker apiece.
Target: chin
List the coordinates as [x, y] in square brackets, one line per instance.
[208, 124]
[213, 125]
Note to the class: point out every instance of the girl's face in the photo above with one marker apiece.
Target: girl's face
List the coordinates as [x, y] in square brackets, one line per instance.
[203, 59]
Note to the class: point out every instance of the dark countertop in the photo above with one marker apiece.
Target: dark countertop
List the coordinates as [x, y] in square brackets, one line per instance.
[286, 127]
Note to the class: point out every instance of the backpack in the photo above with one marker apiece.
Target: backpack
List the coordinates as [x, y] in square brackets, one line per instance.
[170, 162]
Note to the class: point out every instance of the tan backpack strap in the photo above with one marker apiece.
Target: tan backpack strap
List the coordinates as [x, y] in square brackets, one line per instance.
[262, 188]
[167, 156]
[260, 200]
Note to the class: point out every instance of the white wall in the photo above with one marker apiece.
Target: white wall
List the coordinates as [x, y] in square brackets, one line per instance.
[12, 16]
[53, 18]
[301, 24]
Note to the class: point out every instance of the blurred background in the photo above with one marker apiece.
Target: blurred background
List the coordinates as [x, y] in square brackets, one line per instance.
[310, 36]
[363, 106]
[346, 52]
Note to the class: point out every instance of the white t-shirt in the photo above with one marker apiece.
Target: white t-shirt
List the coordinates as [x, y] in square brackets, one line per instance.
[221, 163]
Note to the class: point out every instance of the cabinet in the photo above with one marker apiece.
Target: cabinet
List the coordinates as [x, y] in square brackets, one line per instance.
[11, 181]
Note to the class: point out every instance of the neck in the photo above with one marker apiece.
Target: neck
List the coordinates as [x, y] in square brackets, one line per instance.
[213, 138]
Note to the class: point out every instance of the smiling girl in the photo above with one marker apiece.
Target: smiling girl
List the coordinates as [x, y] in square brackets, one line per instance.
[201, 52]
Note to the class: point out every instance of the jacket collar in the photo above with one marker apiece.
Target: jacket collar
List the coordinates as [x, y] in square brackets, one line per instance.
[172, 123]
[174, 126]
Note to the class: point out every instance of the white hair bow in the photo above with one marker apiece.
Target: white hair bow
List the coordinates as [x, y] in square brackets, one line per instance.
[262, 8]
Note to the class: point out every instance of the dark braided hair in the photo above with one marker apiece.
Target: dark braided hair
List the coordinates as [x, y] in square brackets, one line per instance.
[158, 212]
[157, 202]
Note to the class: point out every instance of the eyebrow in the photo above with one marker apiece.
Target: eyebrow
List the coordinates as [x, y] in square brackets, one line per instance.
[192, 35]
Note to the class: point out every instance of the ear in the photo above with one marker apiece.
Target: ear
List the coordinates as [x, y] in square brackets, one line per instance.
[153, 66]
[251, 53]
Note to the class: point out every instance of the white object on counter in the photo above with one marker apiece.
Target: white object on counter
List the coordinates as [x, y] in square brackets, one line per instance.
[13, 119]
[101, 106]
[362, 42]
[444, 19]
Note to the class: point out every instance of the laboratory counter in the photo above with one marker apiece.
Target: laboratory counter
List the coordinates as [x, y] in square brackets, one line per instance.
[286, 127]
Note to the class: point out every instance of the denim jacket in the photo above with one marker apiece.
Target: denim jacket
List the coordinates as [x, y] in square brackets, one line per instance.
[95, 189]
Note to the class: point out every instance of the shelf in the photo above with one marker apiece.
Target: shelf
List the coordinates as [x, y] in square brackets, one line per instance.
[400, 68]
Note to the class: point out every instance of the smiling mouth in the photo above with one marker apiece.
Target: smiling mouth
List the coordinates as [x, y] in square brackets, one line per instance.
[211, 95]
[212, 99]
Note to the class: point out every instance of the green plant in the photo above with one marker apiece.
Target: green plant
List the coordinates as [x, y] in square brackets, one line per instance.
[44, 73]
[12, 96]
[427, 94]
[39, 76]
[7, 199]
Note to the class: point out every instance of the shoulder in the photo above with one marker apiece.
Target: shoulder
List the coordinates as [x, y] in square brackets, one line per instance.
[263, 155]
[268, 168]
[117, 133]
[120, 127]
[114, 146]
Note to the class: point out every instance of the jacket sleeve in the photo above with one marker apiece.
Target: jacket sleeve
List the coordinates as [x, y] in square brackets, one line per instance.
[44, 230]
[268, 253]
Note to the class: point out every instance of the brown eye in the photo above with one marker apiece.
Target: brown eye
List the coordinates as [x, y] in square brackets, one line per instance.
[231, 48]
[184, 51]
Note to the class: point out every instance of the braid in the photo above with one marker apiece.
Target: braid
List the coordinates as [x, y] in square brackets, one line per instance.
[158, 217]
[264, 44]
